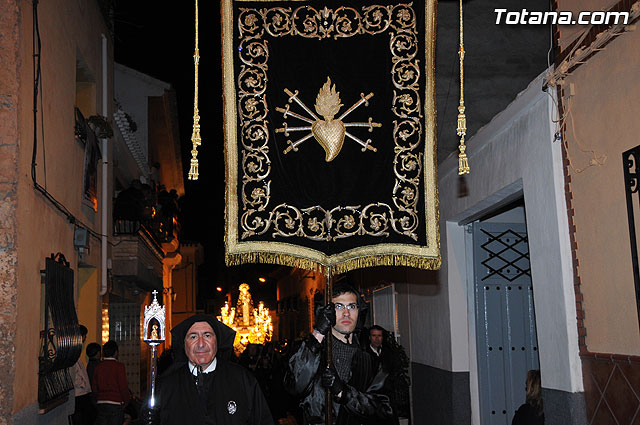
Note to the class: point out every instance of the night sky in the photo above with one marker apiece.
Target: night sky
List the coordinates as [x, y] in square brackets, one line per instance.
[157, 39]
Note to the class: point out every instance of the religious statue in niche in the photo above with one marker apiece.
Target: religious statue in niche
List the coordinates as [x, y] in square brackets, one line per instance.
[154, 332]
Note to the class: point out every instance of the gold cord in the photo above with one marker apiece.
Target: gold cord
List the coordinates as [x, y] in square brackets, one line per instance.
[463, 162]
[195, 136]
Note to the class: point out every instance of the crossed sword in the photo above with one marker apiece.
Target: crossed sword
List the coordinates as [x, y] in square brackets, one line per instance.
[294, 146]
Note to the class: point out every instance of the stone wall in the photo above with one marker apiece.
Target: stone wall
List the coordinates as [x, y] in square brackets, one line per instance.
[9, 86]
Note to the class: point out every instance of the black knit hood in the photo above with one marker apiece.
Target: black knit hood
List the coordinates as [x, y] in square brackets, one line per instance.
[224, 335]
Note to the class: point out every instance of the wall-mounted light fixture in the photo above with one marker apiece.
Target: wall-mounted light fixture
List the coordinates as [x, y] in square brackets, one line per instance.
[81, 243]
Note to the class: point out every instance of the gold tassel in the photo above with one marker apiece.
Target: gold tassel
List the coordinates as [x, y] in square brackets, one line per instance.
[462, 122]
[195, 136]
[463, 162]
[193, 171]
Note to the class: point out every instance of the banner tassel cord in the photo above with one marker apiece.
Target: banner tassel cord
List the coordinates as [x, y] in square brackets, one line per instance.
[463, 162]
[195, 136]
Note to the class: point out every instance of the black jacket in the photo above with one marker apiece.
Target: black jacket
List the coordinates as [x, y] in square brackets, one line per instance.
[384, 362]
[362, 401]
[527, 415]
[232, 395]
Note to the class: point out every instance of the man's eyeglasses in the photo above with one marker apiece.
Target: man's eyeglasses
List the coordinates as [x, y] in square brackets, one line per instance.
[350, 307]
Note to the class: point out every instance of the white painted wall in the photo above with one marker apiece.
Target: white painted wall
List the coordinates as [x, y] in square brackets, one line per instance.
[130, 87]
[512, 155]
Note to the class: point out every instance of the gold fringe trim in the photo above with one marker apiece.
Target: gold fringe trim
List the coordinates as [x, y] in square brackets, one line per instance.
[426, 263]
[271, 258]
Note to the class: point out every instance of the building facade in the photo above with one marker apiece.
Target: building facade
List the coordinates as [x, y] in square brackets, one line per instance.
[57, 58]
[596, 72]
[69, 148]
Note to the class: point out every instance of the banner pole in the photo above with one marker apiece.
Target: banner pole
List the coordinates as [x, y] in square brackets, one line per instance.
[328, 296]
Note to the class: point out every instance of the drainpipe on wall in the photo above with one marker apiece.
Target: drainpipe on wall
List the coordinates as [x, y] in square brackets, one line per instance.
[105, 172]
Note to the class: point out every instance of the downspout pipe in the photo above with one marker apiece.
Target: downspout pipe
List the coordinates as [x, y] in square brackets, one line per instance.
[105, 173]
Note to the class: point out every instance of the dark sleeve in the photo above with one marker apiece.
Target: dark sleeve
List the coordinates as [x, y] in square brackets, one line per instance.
[260, 413]
[94, 386]
[303, 367]
[368, 403]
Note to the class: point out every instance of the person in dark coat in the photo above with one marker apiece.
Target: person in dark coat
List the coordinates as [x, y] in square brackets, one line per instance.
[93, 351]
[353, 379]
[202, 386]
[386, 357]
[531, 412]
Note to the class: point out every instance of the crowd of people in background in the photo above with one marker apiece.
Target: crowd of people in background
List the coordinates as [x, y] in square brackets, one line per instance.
[102, 395]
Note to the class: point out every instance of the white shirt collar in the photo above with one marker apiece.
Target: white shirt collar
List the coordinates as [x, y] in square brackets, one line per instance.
[194, 370]
[375, 350]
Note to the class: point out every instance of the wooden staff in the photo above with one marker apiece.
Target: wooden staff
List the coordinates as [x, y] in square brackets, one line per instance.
[328, 296]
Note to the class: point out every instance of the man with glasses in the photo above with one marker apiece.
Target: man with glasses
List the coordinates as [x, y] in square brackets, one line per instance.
[353, 378]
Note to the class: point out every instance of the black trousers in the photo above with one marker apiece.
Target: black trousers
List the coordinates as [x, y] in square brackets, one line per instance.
[110, 414]
[85, 411]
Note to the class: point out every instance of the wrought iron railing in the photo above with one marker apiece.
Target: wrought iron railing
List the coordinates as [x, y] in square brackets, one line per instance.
[61, 340]
[630, 167]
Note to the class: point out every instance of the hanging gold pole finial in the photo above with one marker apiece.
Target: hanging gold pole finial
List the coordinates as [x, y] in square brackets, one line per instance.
[463, 162]
[195, 136]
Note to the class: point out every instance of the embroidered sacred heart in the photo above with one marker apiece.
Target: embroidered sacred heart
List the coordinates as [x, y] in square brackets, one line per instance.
[328, 132]
[330, 135]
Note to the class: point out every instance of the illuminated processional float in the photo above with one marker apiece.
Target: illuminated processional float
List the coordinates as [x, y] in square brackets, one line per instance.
[252, 325]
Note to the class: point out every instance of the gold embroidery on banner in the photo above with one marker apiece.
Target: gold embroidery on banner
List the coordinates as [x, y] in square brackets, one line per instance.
[316, 222]
[329, 133]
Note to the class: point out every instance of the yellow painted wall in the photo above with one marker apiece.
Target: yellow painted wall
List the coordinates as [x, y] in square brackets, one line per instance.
[65, 27]
[602, 122]
[88, 303]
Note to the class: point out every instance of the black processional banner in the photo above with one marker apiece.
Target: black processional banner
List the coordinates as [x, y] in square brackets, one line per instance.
[330, 133]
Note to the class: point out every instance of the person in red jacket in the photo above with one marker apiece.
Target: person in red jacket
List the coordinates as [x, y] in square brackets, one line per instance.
[110, 386]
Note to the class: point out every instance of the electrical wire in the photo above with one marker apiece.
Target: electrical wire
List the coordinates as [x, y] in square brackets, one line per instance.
[595, 159]
[37, 84]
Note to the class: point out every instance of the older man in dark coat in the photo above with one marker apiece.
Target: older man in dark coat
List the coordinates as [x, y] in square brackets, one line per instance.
[203, 386]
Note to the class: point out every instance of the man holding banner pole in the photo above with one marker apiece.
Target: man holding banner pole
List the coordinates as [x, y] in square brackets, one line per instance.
[352, 377]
